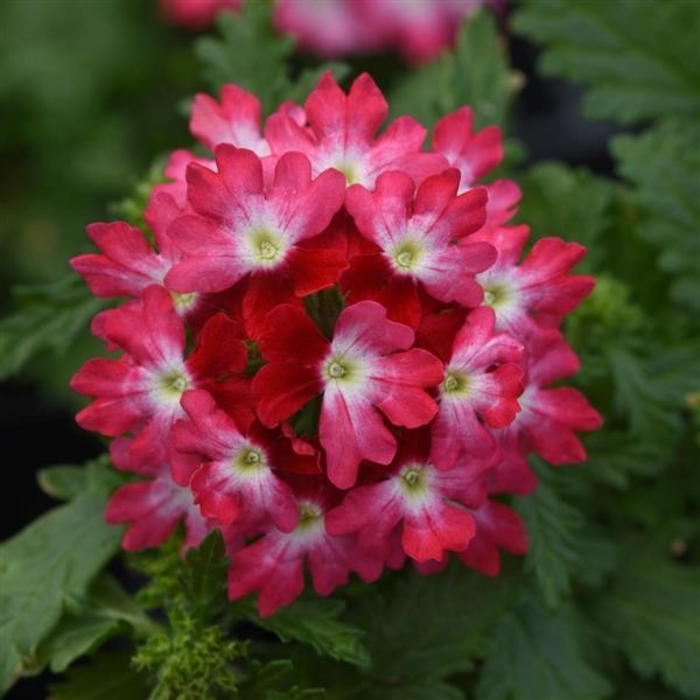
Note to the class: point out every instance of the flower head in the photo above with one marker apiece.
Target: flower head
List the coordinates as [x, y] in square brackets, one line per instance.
[332, 350]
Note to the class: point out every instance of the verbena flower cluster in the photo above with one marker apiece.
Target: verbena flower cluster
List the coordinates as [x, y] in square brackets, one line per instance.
[331, 345]
[417, 29]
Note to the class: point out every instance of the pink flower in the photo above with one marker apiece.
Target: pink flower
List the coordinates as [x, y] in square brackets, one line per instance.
[274, 564]
[328, 28]
[550, 416]
[520, 292]
[475, 155]
[331, 350]
[236, 479]
[497, 527]
[424, 503]
[241, 227]
[140, 392]
[152, 509]
[480, 390]
[365, 371]
[425, 240]
[419, 29]
[128, 263]
[195, 14]
[235, 120]
[341, 134]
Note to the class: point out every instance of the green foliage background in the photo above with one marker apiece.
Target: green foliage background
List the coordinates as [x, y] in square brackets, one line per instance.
[607, 602]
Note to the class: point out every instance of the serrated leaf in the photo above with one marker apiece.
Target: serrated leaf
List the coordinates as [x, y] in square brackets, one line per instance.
[539, 655]
[635, 57]
[204, 575]
[553, 528]
[45, 567]
[319, 624]
[652, 613]
[638, 394]
[131, 208]
[616, 455]
[248, 53]
[569, 203]
[252, 54]
[48, 317]
[663, 165]
[109, 677]
[599, 553]
[475, 73]
[265, 679]
[423, 629]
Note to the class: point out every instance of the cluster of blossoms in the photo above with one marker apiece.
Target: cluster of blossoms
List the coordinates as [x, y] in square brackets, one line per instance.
[331, 346]
[417, 29]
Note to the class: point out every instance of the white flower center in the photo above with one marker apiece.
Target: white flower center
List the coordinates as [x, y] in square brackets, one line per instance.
[249, 460]
[267, 248]
[455, 383]
[335, 370]
[407, 256]
[171, 385]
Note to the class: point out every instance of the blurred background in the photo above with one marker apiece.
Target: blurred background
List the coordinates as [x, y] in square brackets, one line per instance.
[91, 92]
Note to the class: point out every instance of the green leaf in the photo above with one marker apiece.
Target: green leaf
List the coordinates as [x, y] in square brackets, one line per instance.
[109, 600]
[663, 166]
[652, 613]
[250, 53]
[616, 455]
[109, 677]
[423, 629]
[538, 655]
[553, 528]
[73, 637]
[132, 208]
[62, 481]
[49, 317]
[569, 203]
[265, 679]
[203, 576]
[475, 73]
[318, 623]
[45, 567]
[66, 481]
[637, 393]
[428, 690]
[637, 58]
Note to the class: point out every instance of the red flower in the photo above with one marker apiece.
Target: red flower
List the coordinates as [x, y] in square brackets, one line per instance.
[424, 503]
[425, 240]
[241, 227]
[341, 134]
[274, 564]
[366, 369]
[337, 377]
[480, 390]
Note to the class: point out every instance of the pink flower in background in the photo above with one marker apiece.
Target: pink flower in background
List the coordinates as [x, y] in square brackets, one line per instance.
[331, 345]
[195, 14]
[417, 30]
[329, 28]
